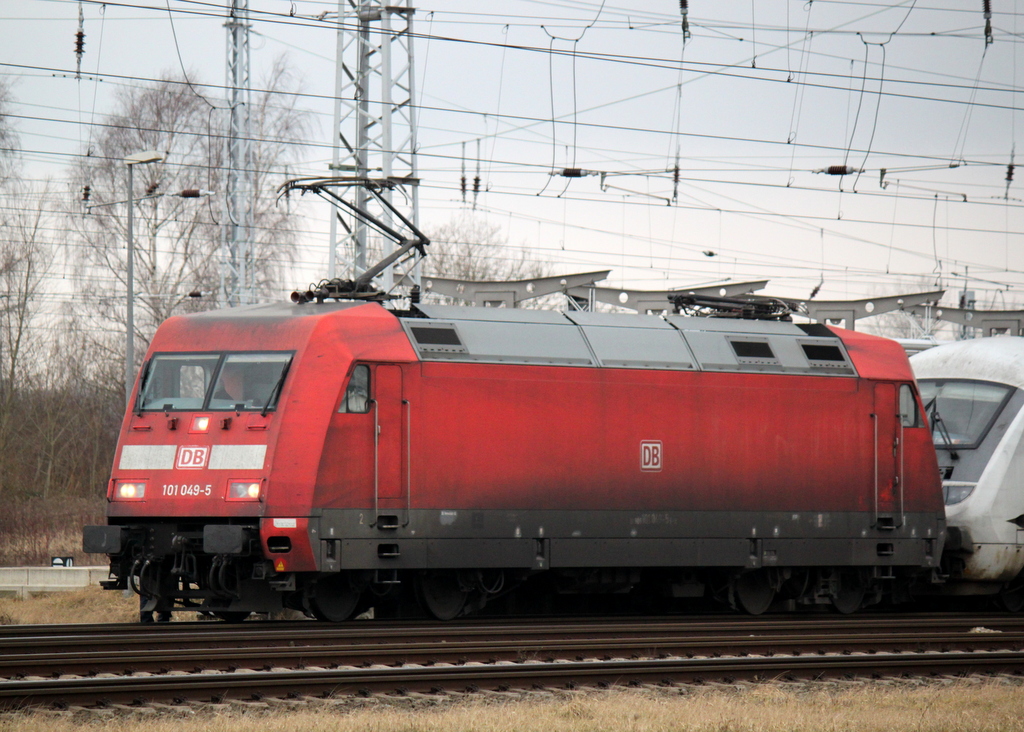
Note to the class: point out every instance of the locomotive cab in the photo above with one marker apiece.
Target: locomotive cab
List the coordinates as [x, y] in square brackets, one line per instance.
[210, 492]
[974, 399]
[195, 445]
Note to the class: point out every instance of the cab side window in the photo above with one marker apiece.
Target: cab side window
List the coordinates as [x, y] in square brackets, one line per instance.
[909, 416]
[357, 396]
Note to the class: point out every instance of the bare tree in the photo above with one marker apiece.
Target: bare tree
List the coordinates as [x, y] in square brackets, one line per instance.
[56, 428]
[9, 143]
[177, 240]
[277, 124]
[25, 255]
[471, 248]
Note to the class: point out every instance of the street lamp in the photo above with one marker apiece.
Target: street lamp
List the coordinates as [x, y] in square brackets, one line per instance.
[139, 158]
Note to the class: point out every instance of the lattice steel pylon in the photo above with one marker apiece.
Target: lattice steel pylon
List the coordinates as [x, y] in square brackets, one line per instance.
[374, 124]
[237, 273]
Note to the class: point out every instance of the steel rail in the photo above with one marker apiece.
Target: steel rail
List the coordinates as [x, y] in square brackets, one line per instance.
[26, 638]
[200, 657]
[499, 676]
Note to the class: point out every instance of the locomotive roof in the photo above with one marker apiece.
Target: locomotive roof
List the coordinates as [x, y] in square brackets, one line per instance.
[544, 337]
[272, 311]
[611, 340]
[999, 359]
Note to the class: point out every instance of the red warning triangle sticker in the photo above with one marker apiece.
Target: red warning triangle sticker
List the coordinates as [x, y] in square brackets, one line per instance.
[279, 567]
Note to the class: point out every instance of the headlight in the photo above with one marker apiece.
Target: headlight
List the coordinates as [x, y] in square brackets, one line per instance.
[129, 490]
[956, 491]
[244, 490]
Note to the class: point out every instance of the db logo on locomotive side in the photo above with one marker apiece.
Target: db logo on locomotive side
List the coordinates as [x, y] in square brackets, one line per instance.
[650, 455]
[192, 457]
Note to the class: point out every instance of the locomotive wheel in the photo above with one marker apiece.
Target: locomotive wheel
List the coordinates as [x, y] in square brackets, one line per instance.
[232, 616]
[334, 599]
[849, 595]
[1012, 598]
[754, 591]
[442, 594]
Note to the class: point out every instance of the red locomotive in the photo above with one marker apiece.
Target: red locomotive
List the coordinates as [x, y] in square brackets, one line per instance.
[320, 456]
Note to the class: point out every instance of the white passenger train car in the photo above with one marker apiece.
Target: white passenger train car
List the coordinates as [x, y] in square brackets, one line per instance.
[973, 392]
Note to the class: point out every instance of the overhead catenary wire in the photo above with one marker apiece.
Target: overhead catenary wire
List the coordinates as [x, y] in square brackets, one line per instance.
[600, 126]
[674, 181]
[181, 63]
[838, 233]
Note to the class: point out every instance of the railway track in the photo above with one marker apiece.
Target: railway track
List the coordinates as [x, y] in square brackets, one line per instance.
[136, 665]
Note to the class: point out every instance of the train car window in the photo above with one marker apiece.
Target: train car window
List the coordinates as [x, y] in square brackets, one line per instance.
[437, 340]
[177, 381]
[249, 382]
[436, 336]
[819, 352]
[961, 411]
[752, 349]
[908, 407]
[357, 394]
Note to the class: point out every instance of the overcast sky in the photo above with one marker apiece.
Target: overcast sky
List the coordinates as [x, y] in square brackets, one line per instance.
[759, 97]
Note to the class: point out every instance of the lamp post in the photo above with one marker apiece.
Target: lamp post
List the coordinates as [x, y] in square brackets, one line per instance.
[139, 158]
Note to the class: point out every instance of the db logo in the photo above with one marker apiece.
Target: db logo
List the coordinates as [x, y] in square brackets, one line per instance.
[192, 457]
[650, 455]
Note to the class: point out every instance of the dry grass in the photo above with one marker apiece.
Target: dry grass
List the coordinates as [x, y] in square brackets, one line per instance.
[872, 707]
[32, 531]
[88, 605]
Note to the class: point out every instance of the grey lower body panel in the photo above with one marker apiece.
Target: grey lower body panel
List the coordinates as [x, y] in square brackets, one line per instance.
[436, 553]
[430, 539]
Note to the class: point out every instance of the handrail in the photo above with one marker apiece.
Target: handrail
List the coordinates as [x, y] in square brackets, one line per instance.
[903, 514]
[376, 460]
[408, 460]
[875, 418]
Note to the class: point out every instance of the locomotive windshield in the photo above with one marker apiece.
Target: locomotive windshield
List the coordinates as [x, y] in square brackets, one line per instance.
[213, 381]
[960, 411]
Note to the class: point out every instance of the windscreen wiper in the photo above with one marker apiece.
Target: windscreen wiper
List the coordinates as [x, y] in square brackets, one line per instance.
[932, 408]
[276, 390]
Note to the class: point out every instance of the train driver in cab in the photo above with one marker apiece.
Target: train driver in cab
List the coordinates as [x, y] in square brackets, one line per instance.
[231, 384]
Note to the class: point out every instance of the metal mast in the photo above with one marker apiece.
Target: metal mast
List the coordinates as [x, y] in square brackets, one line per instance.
[374, 122]
[237, 274]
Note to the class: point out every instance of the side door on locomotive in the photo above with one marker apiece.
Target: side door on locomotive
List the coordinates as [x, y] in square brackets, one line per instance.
[379, 438]
[895, 410]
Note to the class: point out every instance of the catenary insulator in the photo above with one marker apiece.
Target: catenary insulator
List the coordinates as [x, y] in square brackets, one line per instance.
[839, 170]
